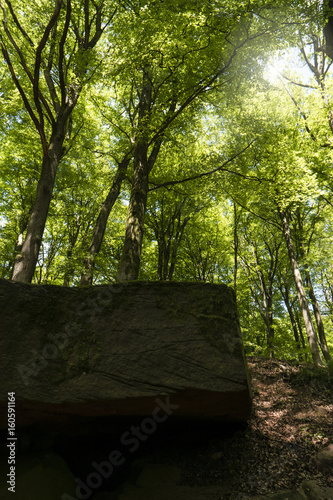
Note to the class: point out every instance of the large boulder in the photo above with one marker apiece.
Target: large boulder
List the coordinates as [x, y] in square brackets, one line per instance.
[125, 349]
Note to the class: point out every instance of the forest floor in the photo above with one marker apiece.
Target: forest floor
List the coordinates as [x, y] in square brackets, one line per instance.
[292, 420]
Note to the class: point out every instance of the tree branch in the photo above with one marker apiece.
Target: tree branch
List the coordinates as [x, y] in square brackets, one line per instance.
[210, 172]
[309, 131]
[304, 85]
[16, 21]
[38, 60]
[20, 89]
[61, 53]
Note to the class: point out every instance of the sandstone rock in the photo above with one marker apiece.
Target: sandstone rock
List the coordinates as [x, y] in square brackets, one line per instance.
[283, 495]
[124, 349]
[309, 490]
[324, 458]
[313, 491]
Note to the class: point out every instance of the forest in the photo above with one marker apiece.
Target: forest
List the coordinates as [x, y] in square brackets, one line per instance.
[174, 141]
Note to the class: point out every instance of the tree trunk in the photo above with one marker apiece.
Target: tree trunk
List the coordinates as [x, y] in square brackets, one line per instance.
[236, 244]
[174, 253]
[101, 222]
[161, 250]
[270, 328]
[63, 100]
[23, 224]
[310, 331]
[284, 289]
[294, 325]
[69, 267]
[319, 321]
[173, 243]
[328, 29]
[328, 294]
[25, 261]
[314, 302]
[166, 259]
[266, 311]
[266, 289]
[130, 260]
[299, 326]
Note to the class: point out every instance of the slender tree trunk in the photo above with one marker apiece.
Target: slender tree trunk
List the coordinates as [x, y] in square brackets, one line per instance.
[25, 261]
[310, 331]
[236, 244]
[270, 328]
[172, 262]
[314, 302]
[69, 267]
[328, 295]
[299, 326]
[294, 326]
[131, 257]
[23, 224]
[319, 321]
[174, 245]
[267, 310]
[159, 234]
[266, 288]
[284, 289]
[166, 260]
[101, 223]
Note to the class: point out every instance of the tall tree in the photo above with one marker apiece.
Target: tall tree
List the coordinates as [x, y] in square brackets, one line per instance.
[259, 258]
[55, 67]
[285, 289]
[310, 330]
[168, 217]
[203, 43]
[304, 249]
[101, 222]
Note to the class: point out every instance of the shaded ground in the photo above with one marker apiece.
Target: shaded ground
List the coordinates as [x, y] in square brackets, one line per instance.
[292, 421]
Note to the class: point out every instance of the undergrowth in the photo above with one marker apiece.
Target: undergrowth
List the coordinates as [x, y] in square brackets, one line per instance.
[320, 377]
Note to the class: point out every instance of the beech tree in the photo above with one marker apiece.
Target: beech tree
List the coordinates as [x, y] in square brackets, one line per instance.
[275, 182]
[304, 239]
[259, 257]
[203, 44]
[310, 330]
[49, 68]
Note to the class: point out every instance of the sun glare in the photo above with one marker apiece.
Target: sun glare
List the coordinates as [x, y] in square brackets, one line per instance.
[272, 73]
[275, 68]
[286, 63]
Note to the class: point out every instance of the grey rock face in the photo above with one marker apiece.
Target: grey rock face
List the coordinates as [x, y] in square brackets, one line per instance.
[116, 349]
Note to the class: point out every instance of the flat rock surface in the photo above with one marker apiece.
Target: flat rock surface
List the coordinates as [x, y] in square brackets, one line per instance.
[111, 350]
